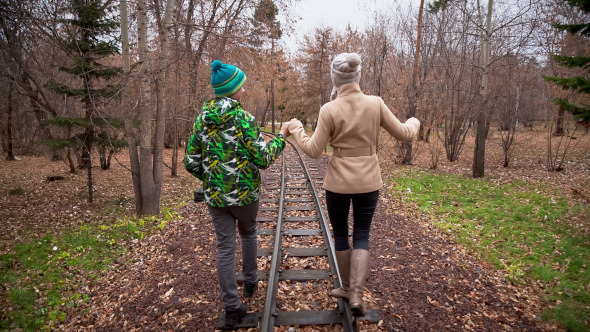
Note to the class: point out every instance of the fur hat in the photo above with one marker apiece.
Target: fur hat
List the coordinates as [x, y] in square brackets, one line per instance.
[226, 79]
[345, 68]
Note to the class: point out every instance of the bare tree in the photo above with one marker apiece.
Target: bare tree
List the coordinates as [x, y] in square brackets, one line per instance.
[316, 56]
[516, 93]
[130, 134]
[454, 77]
[195, 56]
[161, 85]
[375, 49]
[146, 165]
[479, 155]
[147, 178]
[21, 48]
[8, 130]
[413, 91]
[558, 147]
[512, 14]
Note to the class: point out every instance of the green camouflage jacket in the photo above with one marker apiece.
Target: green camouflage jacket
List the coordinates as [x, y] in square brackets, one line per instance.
[226, 150]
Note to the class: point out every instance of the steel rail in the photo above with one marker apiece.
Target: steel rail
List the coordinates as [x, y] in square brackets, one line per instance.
[270, 305]
[268, 318]
[348, 320]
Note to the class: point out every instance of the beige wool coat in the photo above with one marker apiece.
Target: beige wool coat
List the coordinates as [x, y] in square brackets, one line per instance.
[351, 124]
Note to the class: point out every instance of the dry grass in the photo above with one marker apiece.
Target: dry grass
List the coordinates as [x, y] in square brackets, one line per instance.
[42, 206]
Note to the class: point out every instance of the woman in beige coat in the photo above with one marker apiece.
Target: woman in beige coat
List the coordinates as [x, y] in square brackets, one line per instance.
[351, 123]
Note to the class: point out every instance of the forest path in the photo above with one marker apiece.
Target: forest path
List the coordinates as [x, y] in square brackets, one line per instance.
[419, 280]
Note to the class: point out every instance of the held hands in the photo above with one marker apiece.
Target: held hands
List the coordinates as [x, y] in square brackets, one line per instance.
[294, 124]
[285, 129]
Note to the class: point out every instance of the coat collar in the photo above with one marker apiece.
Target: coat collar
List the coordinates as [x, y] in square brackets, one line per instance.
[348, 89]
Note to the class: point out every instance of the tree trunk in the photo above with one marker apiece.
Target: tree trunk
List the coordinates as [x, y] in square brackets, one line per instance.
[77, 154]
[480, 135]
[179, 101]
[158, 159]
[130, 134]
[71, 161]
[102, 156]
[272, 85]
[174, 172]
[489, 117]
[90, 196]
[88, 135]
[69, 152]
[263, 117]
[39, 109]
[150, 202]
[272, 103]
[413, 91]
[381, 66]
[108, 163]
[10, 154]
[105, 160]
[559, 122]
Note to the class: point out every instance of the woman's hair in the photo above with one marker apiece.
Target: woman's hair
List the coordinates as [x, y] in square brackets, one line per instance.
[346, 62]
[345, 68]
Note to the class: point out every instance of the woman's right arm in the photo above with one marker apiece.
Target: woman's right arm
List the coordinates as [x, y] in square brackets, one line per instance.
[314, 145]
[401, 131]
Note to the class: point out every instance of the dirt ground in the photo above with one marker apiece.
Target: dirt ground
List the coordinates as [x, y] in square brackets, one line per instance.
[419, 280]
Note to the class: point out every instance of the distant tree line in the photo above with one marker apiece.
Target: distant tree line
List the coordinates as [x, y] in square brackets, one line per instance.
[93, 77]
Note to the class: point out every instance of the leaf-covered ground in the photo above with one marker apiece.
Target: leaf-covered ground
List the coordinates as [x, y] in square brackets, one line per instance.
[419, 278]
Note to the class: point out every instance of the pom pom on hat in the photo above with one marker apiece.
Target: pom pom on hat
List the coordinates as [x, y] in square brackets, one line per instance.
[226, 79]
[216, 65]
[345, 68]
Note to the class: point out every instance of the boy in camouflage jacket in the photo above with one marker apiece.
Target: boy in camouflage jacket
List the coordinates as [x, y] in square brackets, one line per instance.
[225, 152]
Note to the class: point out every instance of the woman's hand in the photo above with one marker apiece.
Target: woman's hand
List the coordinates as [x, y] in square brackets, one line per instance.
[295, 124]
[285, 129]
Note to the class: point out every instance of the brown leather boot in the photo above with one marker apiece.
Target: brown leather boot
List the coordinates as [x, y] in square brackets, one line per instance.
[359, 267]
[343, 260]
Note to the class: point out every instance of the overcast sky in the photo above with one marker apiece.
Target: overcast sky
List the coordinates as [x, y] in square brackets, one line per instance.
[337, 14]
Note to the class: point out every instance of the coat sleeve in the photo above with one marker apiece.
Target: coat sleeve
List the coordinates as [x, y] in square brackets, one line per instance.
[313, 146]
[261, 153]
[401, 131]
[193, 157]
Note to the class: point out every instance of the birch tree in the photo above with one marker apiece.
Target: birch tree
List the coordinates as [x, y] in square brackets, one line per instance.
[146, 164]
[479, 153]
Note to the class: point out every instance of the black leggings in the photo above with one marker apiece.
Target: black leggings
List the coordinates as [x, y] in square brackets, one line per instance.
[363, 208]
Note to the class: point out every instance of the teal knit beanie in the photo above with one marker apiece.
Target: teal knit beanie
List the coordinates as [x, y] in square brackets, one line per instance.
[226, 79]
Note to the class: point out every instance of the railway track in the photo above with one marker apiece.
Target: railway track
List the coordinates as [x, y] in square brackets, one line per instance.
[297, 263]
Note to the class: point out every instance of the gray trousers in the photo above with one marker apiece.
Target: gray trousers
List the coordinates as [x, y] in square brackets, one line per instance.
[224, 221]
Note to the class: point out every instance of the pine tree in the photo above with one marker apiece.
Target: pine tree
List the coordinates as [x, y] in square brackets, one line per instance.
[90, 29]
[579, 84]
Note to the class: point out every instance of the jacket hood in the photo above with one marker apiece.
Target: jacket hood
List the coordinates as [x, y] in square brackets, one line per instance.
[219, 110]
